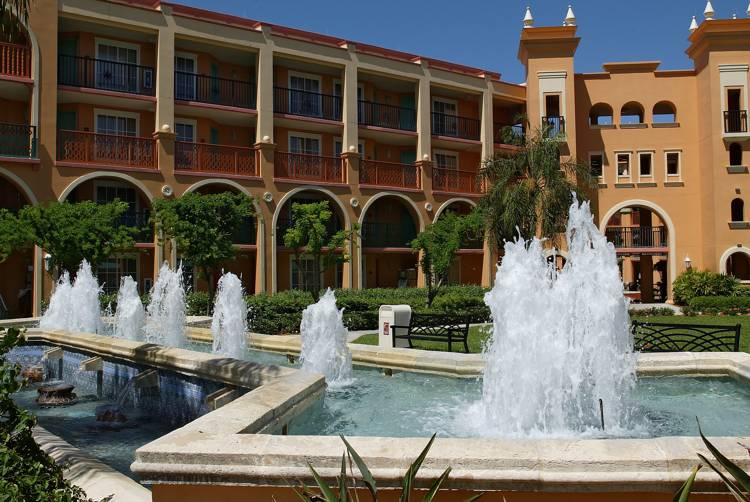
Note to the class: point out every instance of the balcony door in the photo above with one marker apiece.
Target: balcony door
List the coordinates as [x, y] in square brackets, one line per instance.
[306, 163]
[110, 142]
[116, 66]
[444, 117]
[185, 84]
[307, 145]
[304, 96]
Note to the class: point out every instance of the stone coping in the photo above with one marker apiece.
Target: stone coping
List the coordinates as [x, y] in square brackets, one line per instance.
[97, 479]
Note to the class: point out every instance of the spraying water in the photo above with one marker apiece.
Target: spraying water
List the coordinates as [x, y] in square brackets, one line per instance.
[560, 340]
[165, 324]
[75, 307]
[130, 315]
[324, 348]
[229, 323]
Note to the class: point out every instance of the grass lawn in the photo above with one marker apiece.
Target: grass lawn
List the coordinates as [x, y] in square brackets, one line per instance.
[478, 335]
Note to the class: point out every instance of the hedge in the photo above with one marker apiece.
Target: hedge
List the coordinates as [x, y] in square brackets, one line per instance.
[694, 283]
[724, 305]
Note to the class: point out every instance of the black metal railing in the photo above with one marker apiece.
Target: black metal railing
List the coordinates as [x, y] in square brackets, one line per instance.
[735, 121]
[18, 140]
[637, 237]
[214, 90]
[378, 234]
[677, 337]
[554, 126]
[107, 75]
[283, 224]
[140, 220]
[246, 233]
[454, 126]
[306, 103]
[388, 116]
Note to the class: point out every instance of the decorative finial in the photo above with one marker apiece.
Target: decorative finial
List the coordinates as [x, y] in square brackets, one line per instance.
[570, 18]
[528, 19]
[708, 12]
[748, 10]
[734, 15]
[693, 25]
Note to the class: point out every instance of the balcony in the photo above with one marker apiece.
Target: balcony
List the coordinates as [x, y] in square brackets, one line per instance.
[554, 126]
[214, 90]
[378, 234]
[15, 60]
[453, 180]
[735, 121]
[455, 127]
[140, 220]
[637, 237]
[105, 75]
[305, 167]
[387, 116]
[246, 235]
[283, 224]
[306, 104]
[508, 134]
[83, 147]
[391, 174]
[18, 140]
[216, 159]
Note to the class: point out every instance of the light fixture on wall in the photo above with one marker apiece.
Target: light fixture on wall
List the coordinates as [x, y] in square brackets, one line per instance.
[354, 201]
[428, 206]
[688, 263]
[167, 191]
[268, 197]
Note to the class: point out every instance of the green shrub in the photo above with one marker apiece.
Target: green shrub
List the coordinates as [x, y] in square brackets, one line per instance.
[694, 283]
[109, 300]
[461, 304]
[198, 303]
[652, 311]
[277, 314]
[726, 305]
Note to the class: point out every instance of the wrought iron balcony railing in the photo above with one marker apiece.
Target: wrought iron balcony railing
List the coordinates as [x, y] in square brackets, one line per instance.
[18, 140]
[637, 237]
[301, 166]
[306, 103]
[15, 60]
[735, 121]
[453, 180]
[379, 234]
[376, 172]
[388, 116]
[554, 126]
[85, 147]
[214, 90]
[106, 75]
[455, 126]
[221, 159]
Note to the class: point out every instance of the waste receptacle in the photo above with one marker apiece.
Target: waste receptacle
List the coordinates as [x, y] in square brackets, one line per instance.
[388, 315]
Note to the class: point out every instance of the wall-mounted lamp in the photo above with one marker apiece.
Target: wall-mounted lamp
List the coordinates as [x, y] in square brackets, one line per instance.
[688, 263]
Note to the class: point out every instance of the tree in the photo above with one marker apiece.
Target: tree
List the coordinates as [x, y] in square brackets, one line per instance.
[203, 227]
[530, 191]
[309, 237]
[439, 243]
[72, 232]
[14, 15]
[14, 235]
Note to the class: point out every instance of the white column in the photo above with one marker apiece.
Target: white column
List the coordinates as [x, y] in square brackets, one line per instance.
[265, 94]
[424, 116]
[349, 107]
[488, 128]
[165, 75]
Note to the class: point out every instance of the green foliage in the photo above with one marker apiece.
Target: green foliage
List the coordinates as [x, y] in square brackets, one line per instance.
[109, 300]
[530, 192]
[719, 305]
[439, 243]
[652, 312]
[198, 303]
[203, 226]
[308, 236]
[13, 234]
[692, 283]
[72, 232]
[26, 472]
[277, 314]
[14, 14]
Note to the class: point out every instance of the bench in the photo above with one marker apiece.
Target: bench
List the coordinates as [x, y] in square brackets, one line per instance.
[665, 337]
[449, 329]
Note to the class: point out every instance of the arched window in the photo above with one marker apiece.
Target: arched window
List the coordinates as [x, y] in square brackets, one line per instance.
[738, 210]
[735, 154]
[631, 113]
[665, 113]
[601, 114]
[738, 265]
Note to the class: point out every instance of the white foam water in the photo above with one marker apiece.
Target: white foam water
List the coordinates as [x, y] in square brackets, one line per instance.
[324, 338]
[75, 306]
[165, 321]
[130, 315]
[560, 341]
[229, 322]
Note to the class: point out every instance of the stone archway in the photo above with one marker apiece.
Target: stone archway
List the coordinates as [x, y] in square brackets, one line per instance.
[736, 261]
[20, 268]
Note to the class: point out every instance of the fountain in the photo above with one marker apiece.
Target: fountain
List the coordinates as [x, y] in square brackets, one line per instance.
[58, 394]
[324, 348]
[75, 307]
[560, 341]
[229, 323]
[130, 315]
[165, 324]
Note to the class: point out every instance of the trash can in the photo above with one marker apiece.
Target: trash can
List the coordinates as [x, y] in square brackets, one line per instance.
[388, 315]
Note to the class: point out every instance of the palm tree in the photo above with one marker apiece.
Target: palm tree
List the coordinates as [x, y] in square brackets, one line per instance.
[530, 191]
[14, 14]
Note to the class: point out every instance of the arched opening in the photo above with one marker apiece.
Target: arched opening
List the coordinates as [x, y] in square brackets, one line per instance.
[631, 113]
[17, 271]
[389, 224]
[601, 114]
[641, 240]
[467, 268]
[139, 264]
[664, 113]
[735, 154]
[738, 209]
[738, 265]
[290, 274]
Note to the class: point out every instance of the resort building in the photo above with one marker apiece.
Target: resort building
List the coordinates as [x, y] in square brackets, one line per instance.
[142, 99]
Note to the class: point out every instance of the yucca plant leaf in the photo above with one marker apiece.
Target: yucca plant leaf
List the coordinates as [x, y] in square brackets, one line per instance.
[324, 488]
[731, 486]
[411, 472]
[367, 478]
[436, 485]
[342, 479]
[737, 473]
[476, 497]
[302, 495]
[683, 493]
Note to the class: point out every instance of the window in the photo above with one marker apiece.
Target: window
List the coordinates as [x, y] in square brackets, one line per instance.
[309, 145]
[596, 161]
[116, 123]
[601, 114]
[109, 272]
[673, 163]
[738, 210]
[185, 83]
[185, 131]
[645, 164]
[444, 121]
[665, 113]
[631, 113]
[108, 193]
[303, 276]
[115, 66]
[446, 160]
[735, 154]
[623, 165]
[304, 95]
[552, 105]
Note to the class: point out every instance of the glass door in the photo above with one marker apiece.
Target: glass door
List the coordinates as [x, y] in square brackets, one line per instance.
[304, 96]
[116, 68]
[185, 78]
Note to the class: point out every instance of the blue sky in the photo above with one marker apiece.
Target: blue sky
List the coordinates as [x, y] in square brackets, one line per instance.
[484, 33]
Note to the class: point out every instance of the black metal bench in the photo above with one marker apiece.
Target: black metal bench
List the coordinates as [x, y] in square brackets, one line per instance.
[434, 328]
[665, 337]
